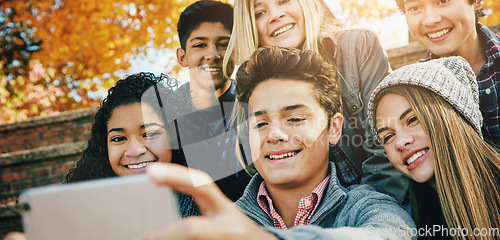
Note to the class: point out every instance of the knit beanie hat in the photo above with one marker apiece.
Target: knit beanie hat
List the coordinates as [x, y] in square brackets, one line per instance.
[452, 78]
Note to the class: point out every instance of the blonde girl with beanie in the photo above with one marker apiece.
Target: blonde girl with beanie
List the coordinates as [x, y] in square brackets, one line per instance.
[428, 119]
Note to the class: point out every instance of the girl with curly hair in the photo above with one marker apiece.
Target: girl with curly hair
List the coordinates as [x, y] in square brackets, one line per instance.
[123, 142]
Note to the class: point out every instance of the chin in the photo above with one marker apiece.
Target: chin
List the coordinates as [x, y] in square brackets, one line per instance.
[422, 179]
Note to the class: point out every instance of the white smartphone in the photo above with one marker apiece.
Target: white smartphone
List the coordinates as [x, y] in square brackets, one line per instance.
[114, 208]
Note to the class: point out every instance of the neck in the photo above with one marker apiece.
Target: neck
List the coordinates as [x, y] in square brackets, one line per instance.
[476, 60]
[432, 182]
[474, 51]
[203, 98]
[286, 200]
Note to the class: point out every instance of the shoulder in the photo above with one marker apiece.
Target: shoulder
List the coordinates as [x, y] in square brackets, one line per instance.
[183, 89]
[364, 191]
[358, 43]
[363, 201]
[363, 198]
[355, 34]
[251, 191]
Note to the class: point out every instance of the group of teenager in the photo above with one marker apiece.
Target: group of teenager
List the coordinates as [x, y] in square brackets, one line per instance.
[317, 138]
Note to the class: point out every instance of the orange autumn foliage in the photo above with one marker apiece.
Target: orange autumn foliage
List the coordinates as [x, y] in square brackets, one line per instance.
[84, 43]
[492, 6]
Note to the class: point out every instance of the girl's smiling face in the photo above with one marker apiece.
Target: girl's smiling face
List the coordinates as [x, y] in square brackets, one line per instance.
[136, 140]
[404, 138]
[280, 23]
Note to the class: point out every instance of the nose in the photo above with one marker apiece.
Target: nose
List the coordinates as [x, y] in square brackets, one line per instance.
[276, 133]
[275, 14]
[403, 141]
[431, 16]
[213, 52]
[135, 148]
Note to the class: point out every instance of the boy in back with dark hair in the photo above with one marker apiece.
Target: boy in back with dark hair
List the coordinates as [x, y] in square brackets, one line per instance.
[204, 29]
[451, 28]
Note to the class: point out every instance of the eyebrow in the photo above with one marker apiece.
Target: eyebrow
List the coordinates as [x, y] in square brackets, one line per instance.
[150, 125]
[143, 126]
[115, 130]
[205, 38]
[285, 109]
[198, 38]
[403, 115]
[409, 1]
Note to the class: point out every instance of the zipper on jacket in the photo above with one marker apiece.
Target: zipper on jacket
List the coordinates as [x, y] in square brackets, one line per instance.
[330, 210]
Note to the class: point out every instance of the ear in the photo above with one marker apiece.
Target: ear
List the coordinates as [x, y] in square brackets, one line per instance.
[181, 57]
[335, 131]
[478, 5]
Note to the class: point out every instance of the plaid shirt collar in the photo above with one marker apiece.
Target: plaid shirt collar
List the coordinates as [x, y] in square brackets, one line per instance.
[488, 81]
[307, 205]
[492, 44]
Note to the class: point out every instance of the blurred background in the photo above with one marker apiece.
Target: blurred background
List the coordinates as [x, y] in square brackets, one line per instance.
[59, 55]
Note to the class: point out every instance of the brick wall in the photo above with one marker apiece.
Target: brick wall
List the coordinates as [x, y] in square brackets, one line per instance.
[38, 152]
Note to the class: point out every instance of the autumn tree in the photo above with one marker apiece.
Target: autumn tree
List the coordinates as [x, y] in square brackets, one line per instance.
[57, 55]
[492, 8]
[358, 10]
[82, 47]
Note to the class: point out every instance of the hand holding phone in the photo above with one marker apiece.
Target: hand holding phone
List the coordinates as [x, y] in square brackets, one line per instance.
[113, 208]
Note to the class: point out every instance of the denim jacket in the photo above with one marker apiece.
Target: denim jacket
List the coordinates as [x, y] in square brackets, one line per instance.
[361, 64]
[355, 213]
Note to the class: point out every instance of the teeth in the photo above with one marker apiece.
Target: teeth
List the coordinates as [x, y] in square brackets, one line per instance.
[416, 156]
[281, 30]
[438, 34]
[280, 156]
[139, 165]
[209, 69]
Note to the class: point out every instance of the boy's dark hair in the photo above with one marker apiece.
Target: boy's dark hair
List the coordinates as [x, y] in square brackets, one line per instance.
[290, 63]
[94, 162]
[479, 13]
[203, 11]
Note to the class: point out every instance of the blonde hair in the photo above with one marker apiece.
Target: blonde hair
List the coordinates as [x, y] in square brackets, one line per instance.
[466, 169]
[245, 38]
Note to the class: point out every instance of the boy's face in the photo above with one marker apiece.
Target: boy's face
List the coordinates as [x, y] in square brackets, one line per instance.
[205, 50]
[445, 27]
[288, 133]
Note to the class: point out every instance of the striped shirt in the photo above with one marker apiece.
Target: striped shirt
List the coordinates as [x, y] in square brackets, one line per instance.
[307, 205]
[488, 80]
